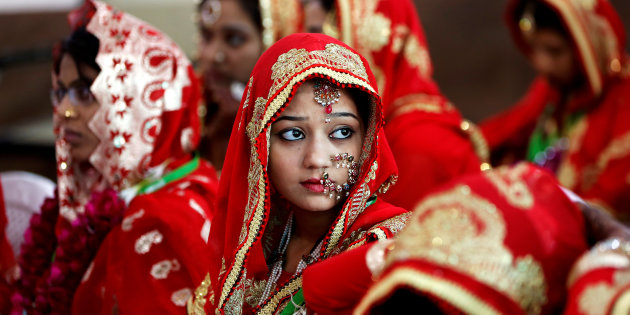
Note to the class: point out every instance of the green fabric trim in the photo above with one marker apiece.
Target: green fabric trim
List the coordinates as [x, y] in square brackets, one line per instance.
[540, 140]
[297, 298]
[179, 173]
[370, 201]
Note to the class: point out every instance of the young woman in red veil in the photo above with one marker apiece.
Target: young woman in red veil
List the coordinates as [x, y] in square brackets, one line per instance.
[430, 140]
[573, 118]
[133, 204]
[306, 163]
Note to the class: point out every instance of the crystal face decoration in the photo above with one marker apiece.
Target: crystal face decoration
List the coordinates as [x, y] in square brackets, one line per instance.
[326, 95]
[331, 188]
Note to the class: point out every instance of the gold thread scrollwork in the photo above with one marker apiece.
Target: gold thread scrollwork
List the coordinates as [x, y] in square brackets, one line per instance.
[509, 182]
[464, 231]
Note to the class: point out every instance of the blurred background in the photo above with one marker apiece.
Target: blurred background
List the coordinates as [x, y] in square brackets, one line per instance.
[476, 64]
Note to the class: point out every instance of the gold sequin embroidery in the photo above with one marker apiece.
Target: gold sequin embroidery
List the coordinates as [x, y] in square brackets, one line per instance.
[198, 302]
[464, 231]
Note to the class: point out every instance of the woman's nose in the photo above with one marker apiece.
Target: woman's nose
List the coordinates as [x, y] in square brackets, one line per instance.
[317, 153]
[212, 54]
[65, 109]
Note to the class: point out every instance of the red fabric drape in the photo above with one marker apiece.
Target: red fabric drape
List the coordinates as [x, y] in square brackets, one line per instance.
[465, 240]
[596, 164]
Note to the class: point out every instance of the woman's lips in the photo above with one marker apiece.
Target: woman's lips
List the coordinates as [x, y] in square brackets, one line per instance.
[313, 185]
[71, 136]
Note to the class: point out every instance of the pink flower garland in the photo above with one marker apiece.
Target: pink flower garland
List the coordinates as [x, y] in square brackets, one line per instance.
[52, 266]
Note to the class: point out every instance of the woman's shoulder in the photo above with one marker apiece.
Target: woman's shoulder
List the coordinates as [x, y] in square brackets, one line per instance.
[179, 204]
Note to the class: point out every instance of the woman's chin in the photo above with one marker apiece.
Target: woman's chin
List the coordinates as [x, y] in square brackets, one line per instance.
[320, 203]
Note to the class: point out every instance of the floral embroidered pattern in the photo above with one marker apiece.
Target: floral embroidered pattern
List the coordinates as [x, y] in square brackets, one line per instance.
[160, 270]
[180, 297]
[127, 223]
[146, 241]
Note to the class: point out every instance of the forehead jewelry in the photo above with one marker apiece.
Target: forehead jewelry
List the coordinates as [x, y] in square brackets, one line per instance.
[210, 12]
[326, 95]
[333, 189]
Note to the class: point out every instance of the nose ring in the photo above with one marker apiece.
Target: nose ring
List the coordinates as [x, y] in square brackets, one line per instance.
[69, 113]
[219, 57]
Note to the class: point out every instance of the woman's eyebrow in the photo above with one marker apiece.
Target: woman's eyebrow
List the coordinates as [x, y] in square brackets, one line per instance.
[290, 118]
[344, 114]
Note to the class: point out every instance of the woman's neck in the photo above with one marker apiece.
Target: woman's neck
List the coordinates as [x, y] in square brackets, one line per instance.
[309, 228]
[311, 225]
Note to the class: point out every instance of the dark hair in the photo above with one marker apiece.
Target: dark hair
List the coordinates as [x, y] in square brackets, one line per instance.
[250, 7]
[82, 46]
[544, 16]
[363, 102]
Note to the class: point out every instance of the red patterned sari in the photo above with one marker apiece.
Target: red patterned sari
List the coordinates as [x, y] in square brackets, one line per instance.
[241, 227]
[123, 235]
[593, 158]
[498, 242]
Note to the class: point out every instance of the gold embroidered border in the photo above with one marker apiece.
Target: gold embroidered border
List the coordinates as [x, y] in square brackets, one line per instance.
[255, 225]
[393, 225]
[284, 94]
[285, 291]
[478, 141]
[417, 102]
[581, 41]
[444, 289]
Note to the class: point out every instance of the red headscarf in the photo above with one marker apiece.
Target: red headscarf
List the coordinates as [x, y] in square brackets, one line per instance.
[595, 30]
[244, 193]
[148, 97]
[596, 164]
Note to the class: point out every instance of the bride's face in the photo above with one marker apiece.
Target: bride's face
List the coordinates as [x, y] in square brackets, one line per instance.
[304, 148]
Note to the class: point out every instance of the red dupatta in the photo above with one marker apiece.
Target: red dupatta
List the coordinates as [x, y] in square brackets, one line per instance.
[243, 209]
[596, 164]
